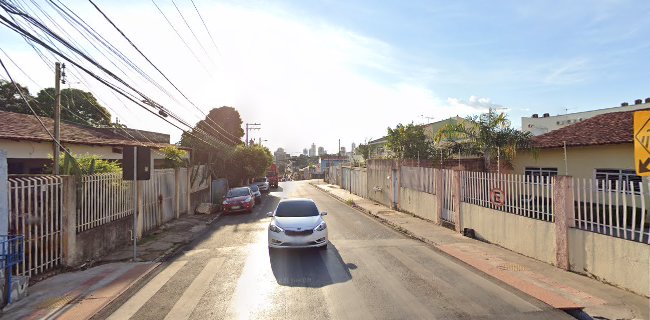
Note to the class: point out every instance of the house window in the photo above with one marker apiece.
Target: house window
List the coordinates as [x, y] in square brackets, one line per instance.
[533, 174]
[607, 178]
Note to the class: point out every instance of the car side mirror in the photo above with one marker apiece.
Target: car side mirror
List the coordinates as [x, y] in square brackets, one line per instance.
[324, 213]
[269, 214]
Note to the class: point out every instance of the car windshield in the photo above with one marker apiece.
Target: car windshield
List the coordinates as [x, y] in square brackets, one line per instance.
[296, 209]
[238, 192]
[259, 180]
[254, 187]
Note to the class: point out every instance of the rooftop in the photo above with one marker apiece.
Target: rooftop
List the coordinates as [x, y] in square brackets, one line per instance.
[18, 126]
[610, 128]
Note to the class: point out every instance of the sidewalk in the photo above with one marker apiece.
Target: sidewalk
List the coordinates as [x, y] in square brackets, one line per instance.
[554, 286]
[82, 294]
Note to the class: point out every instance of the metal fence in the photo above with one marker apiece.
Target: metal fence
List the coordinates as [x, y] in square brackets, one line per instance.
[35, 211]
[528, 196]
[103, 198]
[418, 178]
[158, 199]
[614, 208]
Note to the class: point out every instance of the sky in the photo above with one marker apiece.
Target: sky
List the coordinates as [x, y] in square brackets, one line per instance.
[320, 71]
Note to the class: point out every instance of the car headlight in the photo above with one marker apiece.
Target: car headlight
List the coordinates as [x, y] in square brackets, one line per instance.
[249, 199]
[275, 228]
[322, 226]
[225, 202]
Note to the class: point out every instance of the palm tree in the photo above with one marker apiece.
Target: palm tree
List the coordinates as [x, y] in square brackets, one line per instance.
[488, 135]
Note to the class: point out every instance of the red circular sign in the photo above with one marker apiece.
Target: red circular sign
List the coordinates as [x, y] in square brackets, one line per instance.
[497, 197]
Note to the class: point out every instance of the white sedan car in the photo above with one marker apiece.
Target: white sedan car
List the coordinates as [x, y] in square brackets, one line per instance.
[297, 223]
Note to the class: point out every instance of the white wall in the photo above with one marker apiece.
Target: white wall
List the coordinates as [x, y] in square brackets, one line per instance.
[530, 237]
[419, 203]
[43, 150]
[621, 262]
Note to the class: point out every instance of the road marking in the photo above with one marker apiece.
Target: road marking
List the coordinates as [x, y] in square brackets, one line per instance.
[394, 287]
[190, 298]
[129, 308]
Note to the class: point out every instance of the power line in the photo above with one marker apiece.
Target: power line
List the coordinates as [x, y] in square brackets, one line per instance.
[161, 73]
[192, 31]
[206, 27]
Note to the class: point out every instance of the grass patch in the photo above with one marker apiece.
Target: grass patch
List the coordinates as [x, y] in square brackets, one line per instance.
[350, 202]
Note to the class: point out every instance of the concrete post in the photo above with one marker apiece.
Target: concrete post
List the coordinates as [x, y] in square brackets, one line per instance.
[456, 200]
[439, 195]
[177, 190]
[189, 190]
[4, 194]
[69, 217]
[563, 207]
[139, 185]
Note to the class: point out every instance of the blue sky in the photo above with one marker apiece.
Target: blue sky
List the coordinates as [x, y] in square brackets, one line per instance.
[319, 71]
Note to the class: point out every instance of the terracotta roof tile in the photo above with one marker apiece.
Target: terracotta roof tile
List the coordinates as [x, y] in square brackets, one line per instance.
[18, 126]
[609, 128]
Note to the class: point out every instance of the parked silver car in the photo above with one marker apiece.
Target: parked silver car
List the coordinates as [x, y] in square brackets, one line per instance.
[297, 223]
[262, 183]
[257, 194]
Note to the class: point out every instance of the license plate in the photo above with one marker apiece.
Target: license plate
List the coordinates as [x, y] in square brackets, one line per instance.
[235, 207]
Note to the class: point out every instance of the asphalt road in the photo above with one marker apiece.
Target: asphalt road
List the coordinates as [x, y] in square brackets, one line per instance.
[368, 271]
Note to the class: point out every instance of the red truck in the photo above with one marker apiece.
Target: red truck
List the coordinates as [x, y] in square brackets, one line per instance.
[273, 175]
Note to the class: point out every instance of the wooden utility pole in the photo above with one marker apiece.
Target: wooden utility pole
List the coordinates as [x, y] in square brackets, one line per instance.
[57, 116]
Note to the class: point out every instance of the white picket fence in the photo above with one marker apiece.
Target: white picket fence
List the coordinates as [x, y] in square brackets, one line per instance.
[528, 196]
[104, 198]
[35, 211]
[617, 209]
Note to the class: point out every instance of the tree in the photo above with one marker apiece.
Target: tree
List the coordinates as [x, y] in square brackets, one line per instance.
[248, 162]
[488, 135]
[364, 150]
[408, 142]
[10, 99]
[174, 157]
[82, 106]
[225, 124]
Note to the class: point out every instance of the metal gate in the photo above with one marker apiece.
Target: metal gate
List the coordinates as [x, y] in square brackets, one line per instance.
[448, 210]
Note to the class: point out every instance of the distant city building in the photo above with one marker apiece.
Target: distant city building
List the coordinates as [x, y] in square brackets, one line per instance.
[354, 147]
[321, 151]
[342, 150]
[312, 150]
[280, 155]
[538, 125]
[305, 151]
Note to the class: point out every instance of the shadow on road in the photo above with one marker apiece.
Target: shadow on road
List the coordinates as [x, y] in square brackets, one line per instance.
[311, 268]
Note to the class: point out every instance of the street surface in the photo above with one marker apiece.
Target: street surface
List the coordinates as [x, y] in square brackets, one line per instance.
[368, 271]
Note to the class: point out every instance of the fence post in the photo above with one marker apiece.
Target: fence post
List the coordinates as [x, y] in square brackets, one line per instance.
[563, 208]
[177, 190]
[456, 200]
[139, 185]
[69, 220]
[439, 195]
[4, 194]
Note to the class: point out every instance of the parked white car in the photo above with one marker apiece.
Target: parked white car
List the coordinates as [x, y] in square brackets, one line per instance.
[262, 183]
[297, 223]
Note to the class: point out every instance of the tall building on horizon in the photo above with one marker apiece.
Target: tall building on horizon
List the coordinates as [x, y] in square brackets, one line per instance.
[354, 147]
[321, 151]
[312, 150]
[305, 151]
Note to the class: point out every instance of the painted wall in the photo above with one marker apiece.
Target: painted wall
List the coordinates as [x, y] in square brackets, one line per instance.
[421, 204]
[620, 262]
[42, 150]
[581, 161]
[530, 237]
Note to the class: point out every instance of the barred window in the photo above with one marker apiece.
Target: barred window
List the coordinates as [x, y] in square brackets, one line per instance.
[607, 178]
[534, 173]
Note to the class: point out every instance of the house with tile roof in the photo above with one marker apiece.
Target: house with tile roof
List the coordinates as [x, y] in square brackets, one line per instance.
[29, 147]
[600, 148]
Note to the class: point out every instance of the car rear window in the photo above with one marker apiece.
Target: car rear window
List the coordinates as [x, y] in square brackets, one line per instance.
[238, 192]
[296, 209]
[254, 187]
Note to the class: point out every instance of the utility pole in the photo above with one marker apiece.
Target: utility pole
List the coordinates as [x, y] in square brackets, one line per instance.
[251, 126]
[57, 116]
